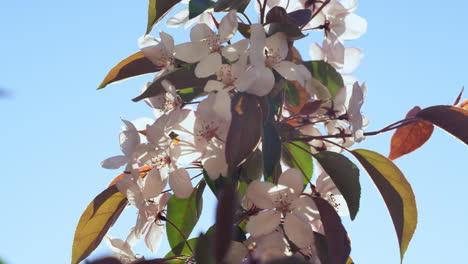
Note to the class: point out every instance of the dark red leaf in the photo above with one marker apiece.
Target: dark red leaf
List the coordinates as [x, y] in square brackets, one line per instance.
[246, 129]
[450, 118]
[338, 242]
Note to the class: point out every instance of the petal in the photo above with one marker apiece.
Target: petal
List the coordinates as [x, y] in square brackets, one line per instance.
[305, 208]
[278, 44]
[154, 236]
[222, 105]
[233, 51]
[236, 253]
[299, 232]
[293, 179]
[129, 139]
[153, 184]
[215, 164]
[180, 183]
[288, 70]
[352, 59]
[228, 26]
[168, 41]
[315, 51]
[208, 65]
[191, 52]
[120, 247]
[257, 45]
[213, 86]
[200, 32]
[263, 223]
[257, 192]
[256, 80]
[179, 18]
[356, 26]
[115, 162]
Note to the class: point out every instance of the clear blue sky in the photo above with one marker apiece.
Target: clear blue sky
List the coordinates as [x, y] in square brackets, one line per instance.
[56, 127]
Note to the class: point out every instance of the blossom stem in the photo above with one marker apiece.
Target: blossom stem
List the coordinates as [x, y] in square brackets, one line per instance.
[393, 126]
[163, 218]
[246, 17]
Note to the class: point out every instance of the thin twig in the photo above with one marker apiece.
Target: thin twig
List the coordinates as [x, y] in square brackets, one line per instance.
[178, 230]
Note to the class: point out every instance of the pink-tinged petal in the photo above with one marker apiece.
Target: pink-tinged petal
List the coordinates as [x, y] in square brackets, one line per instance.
[131, 190]
[257, 45]
[132, 240]
[263, 223]
[115, 162]
[256, 80]
[356, 26]
[352, 59]
[305, 208]
[299, 232]
[179, 18]
[213, 86]
[236, 253]
[151, 48]
[142, 224]
[154, 236]
[293, 179]
[354, 112]
[233, 51]
[191, 52]
[120, 247]
[316, 89]
[200, 32]
[180, 183]
[168, 41]
[258, 193]
[282, 195]
[288, 70]
[315, 52]
[153, 184]
[162, 200]
[208, 65]
[215, 161]
[349, 5]
[228, 26]
[317, 21]
[222, 105]
[129, 139]
[278, 44]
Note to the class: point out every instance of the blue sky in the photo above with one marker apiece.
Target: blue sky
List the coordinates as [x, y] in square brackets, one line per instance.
[56, 127]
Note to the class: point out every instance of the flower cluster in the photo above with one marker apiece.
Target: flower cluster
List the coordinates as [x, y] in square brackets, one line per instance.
[199, 97]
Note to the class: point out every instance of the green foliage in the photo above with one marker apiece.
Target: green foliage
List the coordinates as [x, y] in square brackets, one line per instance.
[296, 154]
[184, 214]
[196, 7]
[345, 175]
[157, 9]
[396, 192]
[271, 144]
[326, 74]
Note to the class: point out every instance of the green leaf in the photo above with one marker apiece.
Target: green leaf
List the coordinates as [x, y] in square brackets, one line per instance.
[292, 31]
[183, 249]
[183, 213]
[95, 221]
[252, 168]
[245, 129]
[345, 175]
[296, 157]
[157, 9]
[226, 5]
[338, 243]
[271, 145]
[450, 118]
[203, 250]
[134, 65]
[196, 7]
[396, 192]
[326, 74]
[182, 78]
[188, 94]
[292, 94]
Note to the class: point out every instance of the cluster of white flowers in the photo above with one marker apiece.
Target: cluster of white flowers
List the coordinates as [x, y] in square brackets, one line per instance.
[187, 136]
